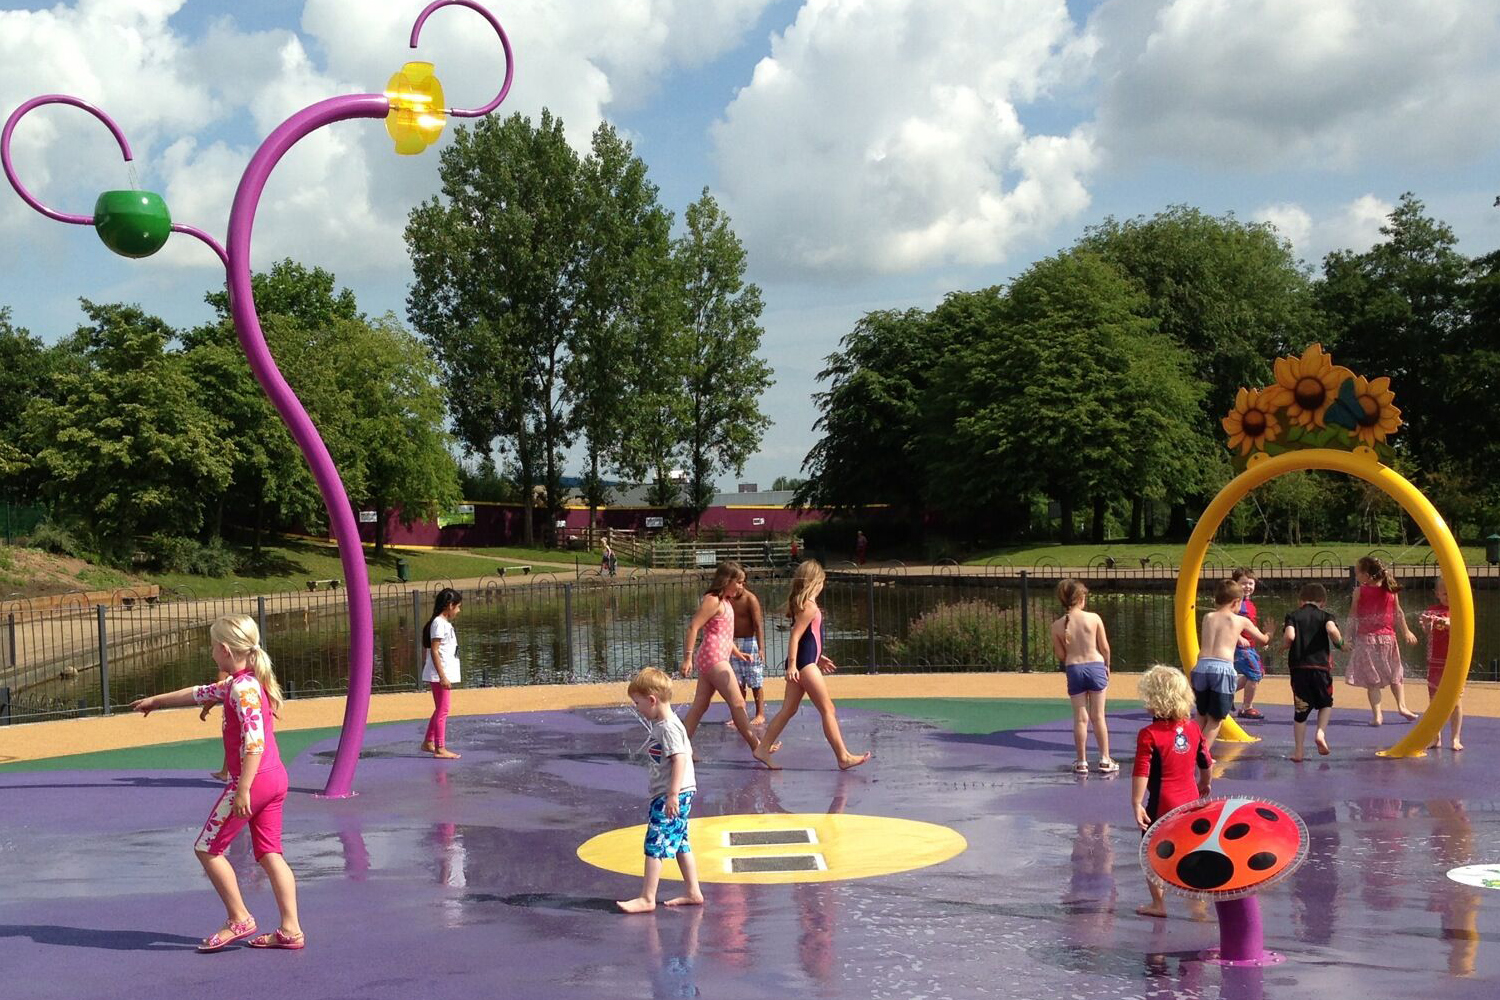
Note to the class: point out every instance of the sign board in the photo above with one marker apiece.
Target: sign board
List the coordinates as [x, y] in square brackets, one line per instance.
[462, 514]
[656, 522]
[705, 557]
[756, 522]
[368, 517]
[561, 523]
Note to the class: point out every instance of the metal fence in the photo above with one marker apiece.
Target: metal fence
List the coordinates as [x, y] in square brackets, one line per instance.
[19, 520]
[86, 659]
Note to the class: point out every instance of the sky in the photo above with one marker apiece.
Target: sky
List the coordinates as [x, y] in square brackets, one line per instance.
[872, 154]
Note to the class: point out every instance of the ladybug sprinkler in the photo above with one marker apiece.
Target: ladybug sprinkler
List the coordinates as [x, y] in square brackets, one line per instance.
[1225, 850]
[137, 224]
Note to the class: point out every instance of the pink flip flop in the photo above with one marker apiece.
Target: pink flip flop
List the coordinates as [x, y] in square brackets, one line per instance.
[280, 939]
[219, 940]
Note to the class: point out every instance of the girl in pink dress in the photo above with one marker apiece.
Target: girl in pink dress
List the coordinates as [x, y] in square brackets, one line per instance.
[257, 785]
[715, 619]
[1375, 662]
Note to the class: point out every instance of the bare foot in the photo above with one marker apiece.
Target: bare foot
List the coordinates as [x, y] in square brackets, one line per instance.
[1457, 745]
[759, 720]
[639, 904]
[1322, 742]
[1432, 746]
[1152, 911]
[443, 753]
[427, 746]
[765, 758]
[1407, 713]
[685, 901]
[1377, 718]
[1296, 759]
[854, 760]
[219, 775]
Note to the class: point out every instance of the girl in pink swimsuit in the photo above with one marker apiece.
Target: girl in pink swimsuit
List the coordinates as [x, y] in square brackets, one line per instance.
[257, 784]
[715, 619]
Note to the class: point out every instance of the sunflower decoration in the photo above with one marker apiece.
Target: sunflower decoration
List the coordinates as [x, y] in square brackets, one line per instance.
[1307, 386]
[1252, 422]
[1313, 403]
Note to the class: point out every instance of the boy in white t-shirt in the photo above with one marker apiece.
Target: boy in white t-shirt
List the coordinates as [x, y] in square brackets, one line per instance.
[670, 757]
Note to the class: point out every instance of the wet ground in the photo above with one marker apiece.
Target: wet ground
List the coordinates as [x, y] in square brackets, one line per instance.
[461, 879]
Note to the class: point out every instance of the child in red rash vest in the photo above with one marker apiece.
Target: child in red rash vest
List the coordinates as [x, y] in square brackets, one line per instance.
[1166, 754]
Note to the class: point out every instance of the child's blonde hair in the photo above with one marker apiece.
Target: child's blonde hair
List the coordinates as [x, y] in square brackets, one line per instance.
[806, 578]
[1166, 694]
[241, 636]
[653, 682]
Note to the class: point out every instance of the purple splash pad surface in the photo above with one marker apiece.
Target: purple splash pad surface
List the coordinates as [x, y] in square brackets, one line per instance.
[459, 879]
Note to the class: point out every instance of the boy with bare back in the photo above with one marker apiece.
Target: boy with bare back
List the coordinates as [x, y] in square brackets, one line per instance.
[750, 639]
[1214, 677]
[1082, 649]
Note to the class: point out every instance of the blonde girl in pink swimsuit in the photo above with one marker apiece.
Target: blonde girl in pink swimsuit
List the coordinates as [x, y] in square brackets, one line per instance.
[715, 619]
[257, 784]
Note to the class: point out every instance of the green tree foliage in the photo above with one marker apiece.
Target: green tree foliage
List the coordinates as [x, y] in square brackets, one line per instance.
[495, 291]
[126, 447]
[725, 375]
[787, 483]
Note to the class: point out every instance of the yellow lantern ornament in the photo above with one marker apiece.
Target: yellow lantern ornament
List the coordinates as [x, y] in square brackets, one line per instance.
[416, 117]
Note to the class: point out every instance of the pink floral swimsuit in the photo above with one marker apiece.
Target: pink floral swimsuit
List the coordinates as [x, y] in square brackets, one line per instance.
[718, 637]
[249, 732]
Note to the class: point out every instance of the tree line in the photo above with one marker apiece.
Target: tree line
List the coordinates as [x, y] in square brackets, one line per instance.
[1090, 388]
[551, 305]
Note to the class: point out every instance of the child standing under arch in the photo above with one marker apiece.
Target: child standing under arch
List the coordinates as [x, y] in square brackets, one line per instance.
[1375, 660]
[257, 787]
[805, 668]
[1436, 623]
[1082, 649]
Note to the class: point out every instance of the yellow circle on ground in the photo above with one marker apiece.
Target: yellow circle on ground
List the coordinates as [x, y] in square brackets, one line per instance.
[826, 847]
[1364, 464]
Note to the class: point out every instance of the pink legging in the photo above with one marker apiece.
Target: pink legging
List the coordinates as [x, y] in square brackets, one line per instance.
[437, 727]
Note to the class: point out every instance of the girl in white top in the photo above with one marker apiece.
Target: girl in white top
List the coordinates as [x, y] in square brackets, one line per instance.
[440, 668]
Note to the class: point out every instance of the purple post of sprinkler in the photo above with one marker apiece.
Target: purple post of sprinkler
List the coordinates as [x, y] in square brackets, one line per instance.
[138, 223]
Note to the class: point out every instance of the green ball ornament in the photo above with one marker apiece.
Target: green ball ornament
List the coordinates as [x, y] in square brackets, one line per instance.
[132, 223]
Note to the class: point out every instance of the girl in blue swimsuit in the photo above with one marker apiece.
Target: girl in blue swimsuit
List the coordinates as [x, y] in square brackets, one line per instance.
[805, 669]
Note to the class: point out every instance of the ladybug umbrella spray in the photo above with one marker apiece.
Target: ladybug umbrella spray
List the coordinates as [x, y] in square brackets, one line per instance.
[1225, 849]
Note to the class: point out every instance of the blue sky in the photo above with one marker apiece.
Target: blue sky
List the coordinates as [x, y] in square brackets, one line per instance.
[873, 153]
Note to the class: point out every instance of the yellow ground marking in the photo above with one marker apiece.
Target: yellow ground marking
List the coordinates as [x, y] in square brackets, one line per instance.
[847, 846]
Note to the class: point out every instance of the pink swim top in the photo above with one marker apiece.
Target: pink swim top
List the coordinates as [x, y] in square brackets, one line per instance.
[1374, 610]
[250, 732]
[718, 637]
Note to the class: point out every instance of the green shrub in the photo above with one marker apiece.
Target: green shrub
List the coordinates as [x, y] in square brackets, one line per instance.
[173, 554]
[49, 536]
[971, 633]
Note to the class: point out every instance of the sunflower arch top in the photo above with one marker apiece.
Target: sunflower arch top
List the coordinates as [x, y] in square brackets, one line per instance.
[1284, 428]
[137, 224]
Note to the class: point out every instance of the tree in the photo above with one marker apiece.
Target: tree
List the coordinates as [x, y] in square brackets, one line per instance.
[495, 262]
[725, 378]
[624, 296]
[871, 415]
[1229, 293]
[393, 430]
[787, 483]
[25, 373]
[1069, 391]
[126, 447]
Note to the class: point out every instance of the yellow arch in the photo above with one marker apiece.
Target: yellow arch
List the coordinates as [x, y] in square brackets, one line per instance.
[1362, 464]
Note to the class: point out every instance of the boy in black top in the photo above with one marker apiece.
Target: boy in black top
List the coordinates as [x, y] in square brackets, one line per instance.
[1311, 632]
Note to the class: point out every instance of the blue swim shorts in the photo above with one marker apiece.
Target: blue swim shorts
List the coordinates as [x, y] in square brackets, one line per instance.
[1247, 662]
[1085, 677]
[751, 673]
[1214, 684]
[667, 838]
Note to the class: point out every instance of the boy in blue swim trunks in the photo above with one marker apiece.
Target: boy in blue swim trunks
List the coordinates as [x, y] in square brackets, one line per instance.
[1214, 678]
[670, 758]
[750, 639]
[1247, 662]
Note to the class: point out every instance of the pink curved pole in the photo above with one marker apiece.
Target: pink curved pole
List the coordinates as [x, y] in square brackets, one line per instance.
[325, 473]
[10, 170]
[479, 112]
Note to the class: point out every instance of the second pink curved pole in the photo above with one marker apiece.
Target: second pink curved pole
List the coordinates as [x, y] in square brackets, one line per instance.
[325, 473]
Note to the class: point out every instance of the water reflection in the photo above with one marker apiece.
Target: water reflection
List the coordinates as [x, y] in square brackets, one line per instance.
[674, 966]
[1315, 885]
[1384, 842]
[1090, 898]
[1456, 905]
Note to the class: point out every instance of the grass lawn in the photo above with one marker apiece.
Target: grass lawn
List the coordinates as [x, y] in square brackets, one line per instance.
[288, 564]
[1339, 553]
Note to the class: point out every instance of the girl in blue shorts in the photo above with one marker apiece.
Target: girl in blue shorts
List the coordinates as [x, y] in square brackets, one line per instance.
[1082, 650]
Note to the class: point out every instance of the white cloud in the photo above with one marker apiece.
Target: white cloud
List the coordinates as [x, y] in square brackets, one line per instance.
[1270, 83]
[1354, 225]
[195, 108]
[884, 134]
